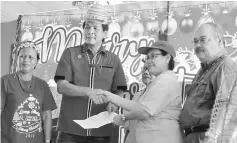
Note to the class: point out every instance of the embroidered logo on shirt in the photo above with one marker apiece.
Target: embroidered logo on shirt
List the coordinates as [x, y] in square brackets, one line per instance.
[27, 118]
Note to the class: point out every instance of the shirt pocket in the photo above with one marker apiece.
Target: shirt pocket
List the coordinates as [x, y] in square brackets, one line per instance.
[202, 85]
[108, 72]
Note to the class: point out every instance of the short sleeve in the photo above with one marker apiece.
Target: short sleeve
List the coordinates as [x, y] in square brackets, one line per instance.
[64, 68]
[48, 101]
[119, 81]
[159, 94]
[3, 94]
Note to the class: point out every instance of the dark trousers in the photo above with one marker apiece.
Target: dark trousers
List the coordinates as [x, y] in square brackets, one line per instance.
[70, 138]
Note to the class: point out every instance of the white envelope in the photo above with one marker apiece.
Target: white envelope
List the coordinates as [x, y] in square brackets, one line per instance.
[96, 121]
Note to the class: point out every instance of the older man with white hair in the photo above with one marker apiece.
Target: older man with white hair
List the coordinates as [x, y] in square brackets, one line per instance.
[210, 111]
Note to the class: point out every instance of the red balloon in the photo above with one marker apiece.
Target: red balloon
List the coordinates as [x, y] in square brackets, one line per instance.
[186, 25]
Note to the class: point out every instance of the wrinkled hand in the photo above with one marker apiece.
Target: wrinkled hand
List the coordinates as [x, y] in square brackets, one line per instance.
[97, 96]
[111, 107]
[118, 120]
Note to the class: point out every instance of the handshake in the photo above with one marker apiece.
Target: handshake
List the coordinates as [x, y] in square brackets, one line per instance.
[99, 96]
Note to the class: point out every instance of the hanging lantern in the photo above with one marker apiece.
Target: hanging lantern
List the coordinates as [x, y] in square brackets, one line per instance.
[169, 25]
[187, 24]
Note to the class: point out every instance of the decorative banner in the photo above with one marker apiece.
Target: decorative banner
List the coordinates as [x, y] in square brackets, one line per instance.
[129, 30]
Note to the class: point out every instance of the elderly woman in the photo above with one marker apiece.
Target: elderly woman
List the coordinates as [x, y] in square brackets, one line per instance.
[26, 101]
[146, 79]
[154, 115]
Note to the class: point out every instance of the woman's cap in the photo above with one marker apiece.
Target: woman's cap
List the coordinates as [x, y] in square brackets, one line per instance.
[163, 45]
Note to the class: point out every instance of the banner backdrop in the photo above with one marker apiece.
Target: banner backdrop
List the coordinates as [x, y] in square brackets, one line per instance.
[132, 25]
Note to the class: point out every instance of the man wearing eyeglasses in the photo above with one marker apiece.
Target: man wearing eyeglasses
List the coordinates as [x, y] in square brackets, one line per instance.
[210, 111]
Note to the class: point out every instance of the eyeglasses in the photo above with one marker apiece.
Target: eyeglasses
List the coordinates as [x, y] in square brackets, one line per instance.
[202, 40]
[152, 56]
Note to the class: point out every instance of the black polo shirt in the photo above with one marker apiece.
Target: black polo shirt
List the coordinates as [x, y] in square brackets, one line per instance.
[102, 71]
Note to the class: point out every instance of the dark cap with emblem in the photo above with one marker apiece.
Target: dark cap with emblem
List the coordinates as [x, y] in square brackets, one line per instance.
[97, 13]
[163, 45]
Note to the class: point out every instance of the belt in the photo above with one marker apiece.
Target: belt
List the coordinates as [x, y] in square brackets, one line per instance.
[195, 129]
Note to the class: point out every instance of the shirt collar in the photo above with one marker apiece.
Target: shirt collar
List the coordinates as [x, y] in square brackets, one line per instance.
[102, 49]
[214, 60]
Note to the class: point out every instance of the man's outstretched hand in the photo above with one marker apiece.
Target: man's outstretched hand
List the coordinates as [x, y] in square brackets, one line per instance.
[97, 96]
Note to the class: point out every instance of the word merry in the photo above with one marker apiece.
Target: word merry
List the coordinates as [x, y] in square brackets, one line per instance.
[54, 40]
